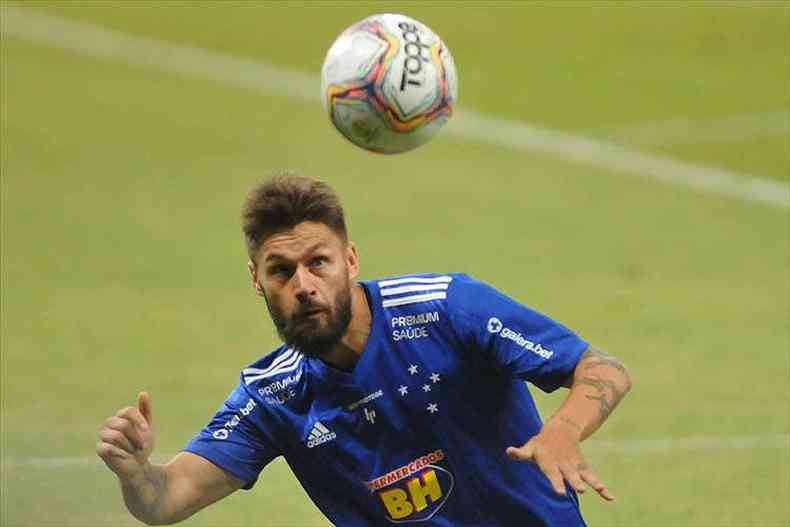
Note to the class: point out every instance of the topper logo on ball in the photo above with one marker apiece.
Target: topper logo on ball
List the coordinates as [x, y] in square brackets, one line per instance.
[414, 58]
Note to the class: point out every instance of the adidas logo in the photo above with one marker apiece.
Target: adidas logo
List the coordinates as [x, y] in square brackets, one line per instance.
[319, 435]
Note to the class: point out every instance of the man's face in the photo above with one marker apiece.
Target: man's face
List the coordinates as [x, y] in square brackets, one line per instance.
[304, 275]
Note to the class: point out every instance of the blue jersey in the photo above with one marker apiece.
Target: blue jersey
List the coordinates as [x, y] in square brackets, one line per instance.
[416, 433]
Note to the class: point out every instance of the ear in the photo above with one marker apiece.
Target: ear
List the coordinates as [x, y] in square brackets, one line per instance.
[352, 260]
[253, 269]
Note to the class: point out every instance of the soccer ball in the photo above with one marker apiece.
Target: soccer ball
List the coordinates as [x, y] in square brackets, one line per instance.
[389, 83]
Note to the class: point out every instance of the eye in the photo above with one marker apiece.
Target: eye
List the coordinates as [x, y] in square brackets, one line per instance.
[318, 261]
[279, 270]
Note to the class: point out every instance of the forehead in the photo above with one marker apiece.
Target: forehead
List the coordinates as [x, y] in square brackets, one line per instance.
[304, 238]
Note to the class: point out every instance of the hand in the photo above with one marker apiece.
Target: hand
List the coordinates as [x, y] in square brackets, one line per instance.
[555, 450]
[127, 439]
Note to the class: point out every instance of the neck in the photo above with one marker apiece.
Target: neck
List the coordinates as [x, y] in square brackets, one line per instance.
[346, 353]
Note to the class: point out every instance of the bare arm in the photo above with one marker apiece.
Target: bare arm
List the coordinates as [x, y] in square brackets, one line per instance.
[598, 384]
[165, 494]
[158, 494]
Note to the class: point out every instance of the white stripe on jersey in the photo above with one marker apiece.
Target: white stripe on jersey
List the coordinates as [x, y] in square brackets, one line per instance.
[284, 368]
[413, 299]
[285, 356]
[411, 288]
[415, 280]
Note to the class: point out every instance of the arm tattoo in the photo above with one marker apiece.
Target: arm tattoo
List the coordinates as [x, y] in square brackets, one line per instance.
[159, 482]
[594, 358]
[570, 422]
[145, 498]
[609, 386]
[606, 393]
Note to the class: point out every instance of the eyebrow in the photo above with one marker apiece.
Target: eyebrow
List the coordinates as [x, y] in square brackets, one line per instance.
[313, 248]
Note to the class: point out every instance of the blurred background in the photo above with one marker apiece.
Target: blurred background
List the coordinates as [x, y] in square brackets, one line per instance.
[622, 167]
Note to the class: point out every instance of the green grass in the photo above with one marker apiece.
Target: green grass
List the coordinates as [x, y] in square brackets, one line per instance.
[123, 267]
[572, 66]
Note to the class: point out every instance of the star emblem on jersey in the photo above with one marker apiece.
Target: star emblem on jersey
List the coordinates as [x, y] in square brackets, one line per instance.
[424, 385]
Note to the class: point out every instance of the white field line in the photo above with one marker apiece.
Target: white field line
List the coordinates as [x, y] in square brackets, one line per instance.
[609, 156]
[60, 462]
[687, 131]
[637, 446]
[94, 41]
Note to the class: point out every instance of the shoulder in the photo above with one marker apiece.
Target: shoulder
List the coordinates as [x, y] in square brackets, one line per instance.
[416, 293]
[281, 367]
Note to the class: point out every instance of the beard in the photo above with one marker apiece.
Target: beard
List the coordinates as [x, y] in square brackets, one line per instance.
[307, 334]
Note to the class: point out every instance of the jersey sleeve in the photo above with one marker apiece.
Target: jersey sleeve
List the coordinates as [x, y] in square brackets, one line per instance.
[520, 341]
[234, 439]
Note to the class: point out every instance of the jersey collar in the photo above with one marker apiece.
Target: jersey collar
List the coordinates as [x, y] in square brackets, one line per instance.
[367, 357]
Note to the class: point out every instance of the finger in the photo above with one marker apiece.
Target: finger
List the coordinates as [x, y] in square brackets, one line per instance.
[517, 454]
[116, 438]
[144, 404]
[592, 479]
[127, 428]
[523, 453]
[133, 414]
[555, 477]
[573, 477]
[107, 451]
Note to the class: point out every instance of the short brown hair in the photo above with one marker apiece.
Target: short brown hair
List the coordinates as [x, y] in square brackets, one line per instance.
[283, 202]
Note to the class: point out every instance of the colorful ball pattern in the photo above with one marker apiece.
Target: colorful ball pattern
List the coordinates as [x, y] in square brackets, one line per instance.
[389, 83]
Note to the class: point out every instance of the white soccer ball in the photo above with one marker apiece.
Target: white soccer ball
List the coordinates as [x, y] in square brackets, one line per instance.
[389, 83]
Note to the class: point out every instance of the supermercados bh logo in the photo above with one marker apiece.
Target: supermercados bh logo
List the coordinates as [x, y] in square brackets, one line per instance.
[495, 326]
[416, 491]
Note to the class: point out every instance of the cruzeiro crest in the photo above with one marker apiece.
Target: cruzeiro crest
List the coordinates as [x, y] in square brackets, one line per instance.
[414, 492]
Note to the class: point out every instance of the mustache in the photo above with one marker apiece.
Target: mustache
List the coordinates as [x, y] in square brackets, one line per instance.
[309, 308]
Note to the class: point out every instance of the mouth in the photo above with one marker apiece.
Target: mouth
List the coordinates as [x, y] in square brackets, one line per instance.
[312, 312]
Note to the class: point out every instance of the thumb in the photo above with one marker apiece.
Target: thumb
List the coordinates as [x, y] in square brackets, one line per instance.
[522, 453]
[144, 405]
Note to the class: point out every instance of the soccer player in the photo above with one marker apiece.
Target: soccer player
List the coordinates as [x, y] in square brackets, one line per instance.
[400, 400]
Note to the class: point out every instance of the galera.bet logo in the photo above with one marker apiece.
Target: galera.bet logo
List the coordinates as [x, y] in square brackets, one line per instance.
[494, 325]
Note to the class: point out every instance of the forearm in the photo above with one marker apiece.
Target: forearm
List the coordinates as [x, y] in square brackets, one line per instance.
[145, 494]
[158, 494]
[598, 385]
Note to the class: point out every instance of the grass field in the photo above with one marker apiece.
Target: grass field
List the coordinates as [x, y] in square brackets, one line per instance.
[123, 267]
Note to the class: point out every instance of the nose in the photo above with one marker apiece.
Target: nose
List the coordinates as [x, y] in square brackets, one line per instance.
[304, 287]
